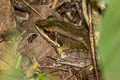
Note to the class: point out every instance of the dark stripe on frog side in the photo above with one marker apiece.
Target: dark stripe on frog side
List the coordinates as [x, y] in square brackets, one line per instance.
[74, 45]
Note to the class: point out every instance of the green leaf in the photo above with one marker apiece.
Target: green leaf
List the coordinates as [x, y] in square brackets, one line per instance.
[10, 63]
[42, 77]
[19, 60]
[110, 41]
[52, 79]
[47, 72]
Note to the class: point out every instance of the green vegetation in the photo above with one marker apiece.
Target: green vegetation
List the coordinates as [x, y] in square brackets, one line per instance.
[12, 63]
[110, 41]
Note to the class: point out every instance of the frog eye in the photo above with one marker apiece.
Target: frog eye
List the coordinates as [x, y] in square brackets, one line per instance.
[46, 31]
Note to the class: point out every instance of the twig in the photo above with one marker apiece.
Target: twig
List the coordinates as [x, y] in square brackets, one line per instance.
[84, 8]
[69, 77]
[79, 65]
[54, 4]
[33, 9]
[32, 69]
[59, 5]
[77, 8]
[76, 72]
[51, 58]
[92, 42]
[53, 67]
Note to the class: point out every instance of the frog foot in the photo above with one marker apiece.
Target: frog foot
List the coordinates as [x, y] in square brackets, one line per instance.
[60, 50]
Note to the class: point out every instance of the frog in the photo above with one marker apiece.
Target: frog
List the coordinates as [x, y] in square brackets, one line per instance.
[66, 35]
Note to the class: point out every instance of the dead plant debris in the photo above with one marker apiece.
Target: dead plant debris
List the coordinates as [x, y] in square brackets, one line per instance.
[75, 63]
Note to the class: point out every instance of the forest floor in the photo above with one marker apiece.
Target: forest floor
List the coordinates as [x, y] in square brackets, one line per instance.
[36, 51]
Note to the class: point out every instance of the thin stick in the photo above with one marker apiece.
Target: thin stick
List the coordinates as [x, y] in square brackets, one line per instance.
[54, 4]
[92, 42]
[54, 67]
[33, 68]
[69, 77]
[33, 9]
[84, 7]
